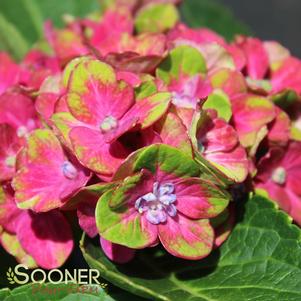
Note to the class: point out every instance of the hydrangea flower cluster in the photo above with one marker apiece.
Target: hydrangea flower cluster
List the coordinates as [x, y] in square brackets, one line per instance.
[142, 128]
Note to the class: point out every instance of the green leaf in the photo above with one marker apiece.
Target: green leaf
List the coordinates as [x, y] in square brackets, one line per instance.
[21, 21]
[261, 260]
[212, 14]
[55, 292]
[10, 39]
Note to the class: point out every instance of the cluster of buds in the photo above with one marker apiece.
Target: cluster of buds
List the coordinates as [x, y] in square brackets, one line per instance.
[140, 129]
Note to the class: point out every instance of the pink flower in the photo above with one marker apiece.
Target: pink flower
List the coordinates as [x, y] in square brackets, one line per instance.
[46, 237]
[104, 108]
[163, 201]
[47, 177]
[279, 173]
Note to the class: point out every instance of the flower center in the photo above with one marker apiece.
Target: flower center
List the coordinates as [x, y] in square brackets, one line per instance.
[108, 124]
[10, 161]
[69, 171]
[279, 176]
[158, 204]
[22, 131]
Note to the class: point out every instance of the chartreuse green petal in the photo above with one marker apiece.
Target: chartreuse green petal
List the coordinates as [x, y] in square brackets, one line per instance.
[182, 61]
[146, 89]
[152, 108]
[295, 133]
[261, 260]
[156, 18]
[123, 225]
[220, 102]
[168, 159]
[86, 69]
[70, 68]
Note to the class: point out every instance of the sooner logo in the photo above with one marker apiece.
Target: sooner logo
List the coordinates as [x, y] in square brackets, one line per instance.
[22, 275]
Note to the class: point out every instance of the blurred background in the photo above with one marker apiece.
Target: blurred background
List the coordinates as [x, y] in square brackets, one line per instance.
[21, 21]
[271, 19]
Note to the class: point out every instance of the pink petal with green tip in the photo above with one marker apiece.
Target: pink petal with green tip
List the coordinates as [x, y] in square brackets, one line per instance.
[149, 109]
[250, 114]
[287, 76]
[47, 237]
[185, 238]
[199, 199]
[12, 246]
[173, 132]
[49, 177]
[95, 93]
[94, 153]
[117, 253]
[234, 164]
[62, 124]
[218, 142]
[231, 82]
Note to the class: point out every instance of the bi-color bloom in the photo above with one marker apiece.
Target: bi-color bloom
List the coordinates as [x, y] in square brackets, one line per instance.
[103, 109]
[162, 198]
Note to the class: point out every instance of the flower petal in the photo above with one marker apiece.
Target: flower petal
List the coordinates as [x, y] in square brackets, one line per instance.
[94, 153]
[117, 253]
[136, 231]
[47, 237]
[185, 238]
[197, 198]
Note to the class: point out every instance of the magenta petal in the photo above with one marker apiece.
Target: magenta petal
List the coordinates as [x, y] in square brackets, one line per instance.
[47, 237]
[9, 72]
[86, 215]
[257, 57]
[94, 153]
[48, 177]
[117, 253]
[193, 198]
[10, 144]
[287, 76]
[9, 212]
[280, 128]
[18, 111]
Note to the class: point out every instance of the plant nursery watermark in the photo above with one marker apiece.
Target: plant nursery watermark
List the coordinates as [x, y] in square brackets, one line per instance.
[21, 275]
